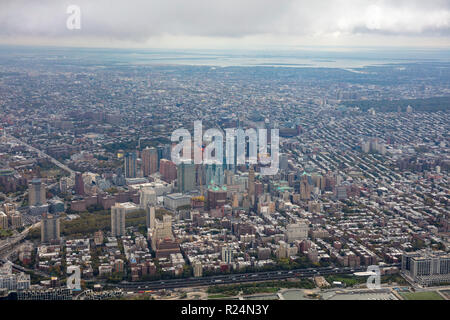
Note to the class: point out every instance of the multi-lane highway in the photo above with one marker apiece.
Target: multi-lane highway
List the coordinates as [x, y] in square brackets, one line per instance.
[25, 270]
[43, 155]
[8, 245]
[236, 278]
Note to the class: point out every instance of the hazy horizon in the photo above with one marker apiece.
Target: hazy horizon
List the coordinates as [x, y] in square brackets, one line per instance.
[298, 58]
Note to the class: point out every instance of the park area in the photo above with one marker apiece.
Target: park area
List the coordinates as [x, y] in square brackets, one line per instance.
[425, 295]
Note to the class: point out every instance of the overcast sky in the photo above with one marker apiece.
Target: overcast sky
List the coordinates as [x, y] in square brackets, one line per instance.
[228, 23]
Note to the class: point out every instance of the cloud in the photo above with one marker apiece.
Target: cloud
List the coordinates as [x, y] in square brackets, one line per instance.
[142, 21]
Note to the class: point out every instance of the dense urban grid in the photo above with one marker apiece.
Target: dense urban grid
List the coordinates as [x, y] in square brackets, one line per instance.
[87, 180]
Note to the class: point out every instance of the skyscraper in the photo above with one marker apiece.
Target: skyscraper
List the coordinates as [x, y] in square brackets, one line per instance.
[186, 177]
[79, 184]
[36, 193]
[305, 188]
[251, 184]
[259, 189]
[145, 155]
[153, 160]
[149, 161]
[150, 217]
[319, 181]
[168, 170]
[50, 228]
[130, 165]
[118, 220]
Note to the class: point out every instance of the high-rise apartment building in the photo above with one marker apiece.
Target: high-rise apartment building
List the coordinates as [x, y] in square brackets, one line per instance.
[145, 155]
[79, 184]
[305, 188]
[3, 221]
[162, 230]
[186, 177]
[118, 212]
[149, 161]
[50, 228]
[154, 160]
[130, 165]
[168, 170]
[150, 217]
[16, 220]
[251, 185]
[36, 193]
